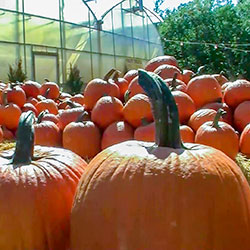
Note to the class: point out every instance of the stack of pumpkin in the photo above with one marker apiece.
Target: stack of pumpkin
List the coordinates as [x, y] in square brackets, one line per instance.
[212, 110]
[132, 195]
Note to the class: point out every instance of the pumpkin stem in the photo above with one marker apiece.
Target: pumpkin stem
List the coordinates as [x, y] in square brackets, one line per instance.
[173, 82]
[116, 75]
[41, 115]
[219, 114]
[164, 109]
[109, 74]
[25, 139]
[84, 116]
[4, 98]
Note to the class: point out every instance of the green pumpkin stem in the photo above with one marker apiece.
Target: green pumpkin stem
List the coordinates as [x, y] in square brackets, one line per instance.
[109, 74]
[25, 139]
[41, 115]
[164, 110]
[219, 114]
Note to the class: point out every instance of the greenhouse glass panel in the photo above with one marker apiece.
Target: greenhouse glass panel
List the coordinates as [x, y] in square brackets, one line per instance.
[120, 64]
[77, 37]
[75, 11]
[42, 31]
[11, 28]
[106, 64]
[82, 61]
[118, 21]
[140, 49]
[107, 46]
[45, 8]
[95, 40]
[45, 66]
[108, 22]
[11, 4]
[123, 46]
[9, 53]
[155, 50]
[138, 26]
[153, 34]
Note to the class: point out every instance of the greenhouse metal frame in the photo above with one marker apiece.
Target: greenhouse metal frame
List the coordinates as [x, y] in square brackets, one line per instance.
[50, 38]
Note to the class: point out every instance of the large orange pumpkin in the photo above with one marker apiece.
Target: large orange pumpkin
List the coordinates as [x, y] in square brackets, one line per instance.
[37, 186]
[15, 94]
[242, 115]
[219, 135]
[116, 132]
[97, 88]
[50, 90]
[237, 92]
[155, 62]
[204, 89]
[245, 141]
[139, 195]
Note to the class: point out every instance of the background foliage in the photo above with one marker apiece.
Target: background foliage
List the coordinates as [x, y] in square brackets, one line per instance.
[208, 32]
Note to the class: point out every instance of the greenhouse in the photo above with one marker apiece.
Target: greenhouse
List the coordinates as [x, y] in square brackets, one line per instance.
[95, 35]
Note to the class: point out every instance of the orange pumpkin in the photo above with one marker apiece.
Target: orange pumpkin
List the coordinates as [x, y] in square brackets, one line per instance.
[237, 92]
[145, 132]
[187, 75]
[97, 88]
[130, 75]
[219, 135]
[137, 108]
[48, 104]
[116, 132]
[220, 78]
[204, 89]
[168, 71]
[121, 83]
[15, 94]
[82, 137]
[78, 98]
[107, 110]
[50, 90]
[31, 88]
[187, 134]
[37, 185]
[11, 115]
[242, 115]
[140, 195]
[1, 134]
[133, 89]
[185, 104]
[160, 60]
[29, 106]
[245, 141]
[176, 84]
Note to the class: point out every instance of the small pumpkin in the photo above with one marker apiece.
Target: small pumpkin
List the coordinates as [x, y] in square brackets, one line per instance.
[50, 90]
[219, 135]
[37, 185]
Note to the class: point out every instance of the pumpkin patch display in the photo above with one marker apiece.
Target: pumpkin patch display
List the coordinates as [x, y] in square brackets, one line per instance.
[37, 189]
[163, 195]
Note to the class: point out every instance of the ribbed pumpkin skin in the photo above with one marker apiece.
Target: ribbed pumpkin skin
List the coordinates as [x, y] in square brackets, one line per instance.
[242, 115]
[38, 199]
[204, 89]
[245, 140]
[129, 198]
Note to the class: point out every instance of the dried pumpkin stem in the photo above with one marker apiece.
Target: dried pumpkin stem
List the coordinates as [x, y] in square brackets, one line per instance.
[219, 114]
[25, 139]
[164, 109]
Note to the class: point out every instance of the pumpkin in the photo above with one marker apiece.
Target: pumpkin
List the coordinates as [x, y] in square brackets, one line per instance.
[116, 132]
[185, 104]
[15, 94]
[168, 71]
[32, 100]
[245, 141]
[130, 75]
[187, 134]
[141, 195]
[48, 104]
[237, 92]
[219, 135]
[121, 83]
[1, 134]
[242, 115]
[108, 109]
[137, 108]
[29, 106]
[31, 88]
[145, 132]
[220, 78]
[187, 74]
[176, 84]
[133, 89]
[201, 116]
[37, 186]
[82, 137]
[47, 133]
[97, 88]
[204, 89]
[155, 62]
[11, 115]
[78, 98]
[7, 134]
[227, 117]
[50, 90]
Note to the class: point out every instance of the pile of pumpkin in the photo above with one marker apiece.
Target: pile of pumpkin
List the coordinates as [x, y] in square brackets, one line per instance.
[132, 195]
[212, 110]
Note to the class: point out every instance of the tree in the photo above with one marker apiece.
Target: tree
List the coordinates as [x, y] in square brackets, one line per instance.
[209, 32]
